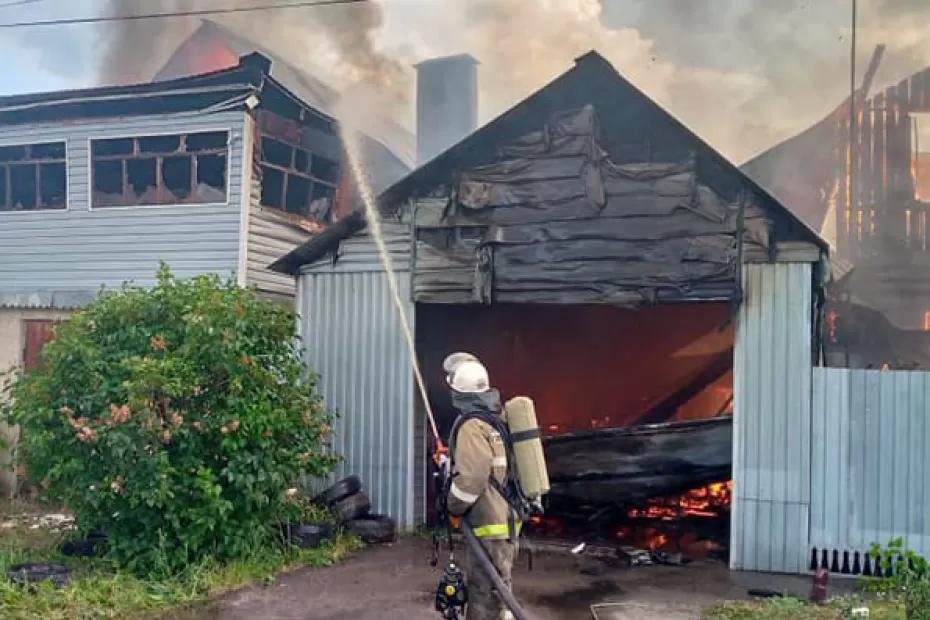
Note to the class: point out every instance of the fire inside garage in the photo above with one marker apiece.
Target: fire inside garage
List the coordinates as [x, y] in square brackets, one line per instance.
[594, 254]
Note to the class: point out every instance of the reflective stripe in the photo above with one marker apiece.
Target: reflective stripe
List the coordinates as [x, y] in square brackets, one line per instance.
[499, 461]
[464, 496]
[496, 529]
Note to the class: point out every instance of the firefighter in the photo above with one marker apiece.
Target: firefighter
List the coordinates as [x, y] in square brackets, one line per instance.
[479, 475]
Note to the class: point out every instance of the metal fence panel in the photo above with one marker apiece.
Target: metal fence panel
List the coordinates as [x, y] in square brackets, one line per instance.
[869, 460]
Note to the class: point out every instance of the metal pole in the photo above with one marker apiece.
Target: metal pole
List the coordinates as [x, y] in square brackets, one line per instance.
[851, 193]
[503, 592]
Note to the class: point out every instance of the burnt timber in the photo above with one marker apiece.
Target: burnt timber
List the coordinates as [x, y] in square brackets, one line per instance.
[625, 465]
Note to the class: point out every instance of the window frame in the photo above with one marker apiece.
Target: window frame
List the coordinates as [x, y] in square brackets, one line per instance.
[131, 135]
[4, 143]
[286, 172]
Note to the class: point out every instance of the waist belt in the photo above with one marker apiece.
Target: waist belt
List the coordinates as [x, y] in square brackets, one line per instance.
[495, 529]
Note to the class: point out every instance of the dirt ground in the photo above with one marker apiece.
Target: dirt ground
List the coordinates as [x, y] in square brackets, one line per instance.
[396, 582]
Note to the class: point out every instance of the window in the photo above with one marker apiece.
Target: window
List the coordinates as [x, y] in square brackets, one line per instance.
[32, 177]
[296, 180]
[160, 170]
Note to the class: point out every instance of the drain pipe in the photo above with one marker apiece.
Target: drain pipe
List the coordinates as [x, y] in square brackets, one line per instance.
[503, 592]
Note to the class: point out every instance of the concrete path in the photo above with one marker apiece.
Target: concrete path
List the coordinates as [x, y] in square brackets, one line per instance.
[396, 583]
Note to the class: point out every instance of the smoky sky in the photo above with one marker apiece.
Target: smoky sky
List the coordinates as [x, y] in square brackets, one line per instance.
[744, 74]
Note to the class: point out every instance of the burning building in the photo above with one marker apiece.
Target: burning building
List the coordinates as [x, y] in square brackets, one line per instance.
[865, 188]
[596, 255]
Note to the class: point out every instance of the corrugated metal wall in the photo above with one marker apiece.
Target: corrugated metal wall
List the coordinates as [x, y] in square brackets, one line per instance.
[870, 462]
[353, 337]
[74, 251]
[771, 438]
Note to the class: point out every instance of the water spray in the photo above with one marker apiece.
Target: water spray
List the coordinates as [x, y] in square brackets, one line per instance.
[351, 144]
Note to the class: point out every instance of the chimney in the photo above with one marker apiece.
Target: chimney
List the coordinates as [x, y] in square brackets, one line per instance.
[447, 103]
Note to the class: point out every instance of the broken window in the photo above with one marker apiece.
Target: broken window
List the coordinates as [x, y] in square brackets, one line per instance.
[160, 170]
[32, 177]
[296, 180]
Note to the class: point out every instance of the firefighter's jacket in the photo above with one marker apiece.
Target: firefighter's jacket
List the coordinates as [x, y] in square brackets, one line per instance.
[479, 452]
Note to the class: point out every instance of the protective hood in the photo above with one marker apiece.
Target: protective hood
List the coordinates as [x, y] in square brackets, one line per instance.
[477, 402]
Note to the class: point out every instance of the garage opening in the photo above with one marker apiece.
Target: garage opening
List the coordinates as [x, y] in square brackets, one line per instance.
[635, 406]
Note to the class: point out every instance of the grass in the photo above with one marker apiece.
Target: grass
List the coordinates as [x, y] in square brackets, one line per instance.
[100, 590]
[796, 609]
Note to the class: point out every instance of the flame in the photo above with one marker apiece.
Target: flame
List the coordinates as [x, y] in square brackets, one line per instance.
[707, 501]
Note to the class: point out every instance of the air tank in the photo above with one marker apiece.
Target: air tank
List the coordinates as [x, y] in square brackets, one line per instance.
[520, 413]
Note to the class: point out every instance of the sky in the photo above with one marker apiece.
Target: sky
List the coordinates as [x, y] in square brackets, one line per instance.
[744, 74]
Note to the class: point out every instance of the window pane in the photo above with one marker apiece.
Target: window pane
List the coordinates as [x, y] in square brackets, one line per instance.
[12, 153]
[52, 150]
[3, 185]
[206, 141]
[118, 146]
[211, 178]
[325, 169]
[108, 183]
[140, 174]
[53, 185]
[23, 186]
[159, 144]
[277, 153]
[272, 187]
[298, 192]
[302, 160]
[176, 173]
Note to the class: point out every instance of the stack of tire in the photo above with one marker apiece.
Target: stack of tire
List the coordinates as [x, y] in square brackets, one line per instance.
[353, 507]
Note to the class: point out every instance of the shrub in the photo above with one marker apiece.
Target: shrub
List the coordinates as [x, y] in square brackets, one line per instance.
[906, 576]
[176, 419]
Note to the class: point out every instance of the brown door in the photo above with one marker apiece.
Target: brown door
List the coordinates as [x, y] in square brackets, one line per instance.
[37, 334]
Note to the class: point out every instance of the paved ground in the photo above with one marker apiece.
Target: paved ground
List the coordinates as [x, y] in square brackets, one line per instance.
[396, 583]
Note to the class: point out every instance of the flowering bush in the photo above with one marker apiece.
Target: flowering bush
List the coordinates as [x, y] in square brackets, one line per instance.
[177, 419]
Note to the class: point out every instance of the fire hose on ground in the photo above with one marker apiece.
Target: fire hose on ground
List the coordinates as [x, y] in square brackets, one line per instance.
[484, 561]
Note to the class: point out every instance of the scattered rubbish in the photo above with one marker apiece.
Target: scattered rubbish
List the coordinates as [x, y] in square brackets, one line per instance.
[670, 559]
[764, 593]
[53, 521]
[637, 557]
[859, 612]
[31, 574]
[579, 548]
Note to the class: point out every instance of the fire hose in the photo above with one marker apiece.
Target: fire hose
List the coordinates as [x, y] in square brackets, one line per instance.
[484, 561]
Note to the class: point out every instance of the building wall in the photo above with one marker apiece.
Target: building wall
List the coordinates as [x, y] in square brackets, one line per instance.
[76, 250]
[772, 420]
[12, 342]
[353, 339]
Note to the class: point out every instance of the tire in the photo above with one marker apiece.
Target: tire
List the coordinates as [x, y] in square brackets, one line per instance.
[374, 528]
[31, 574]
[84, 548]
[307, 535]
[342, 489]
[353, 507]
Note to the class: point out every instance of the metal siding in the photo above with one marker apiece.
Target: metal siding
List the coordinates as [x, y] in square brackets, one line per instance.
[354, 340]
[771, 445]
[359, 252]
[78, 249]
[870, 459]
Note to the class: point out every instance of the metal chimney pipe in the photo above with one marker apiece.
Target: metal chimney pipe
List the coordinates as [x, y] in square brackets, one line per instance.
[447, 103]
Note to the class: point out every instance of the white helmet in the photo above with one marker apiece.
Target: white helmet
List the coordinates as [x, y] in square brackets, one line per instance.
[453, 360]
[470, 376]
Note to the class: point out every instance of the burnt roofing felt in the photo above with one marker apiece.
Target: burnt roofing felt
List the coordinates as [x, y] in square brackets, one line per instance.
[227, 88]
[637, 130]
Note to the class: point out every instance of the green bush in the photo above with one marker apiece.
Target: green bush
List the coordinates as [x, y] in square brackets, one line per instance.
[176, 419]
[906, 576]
